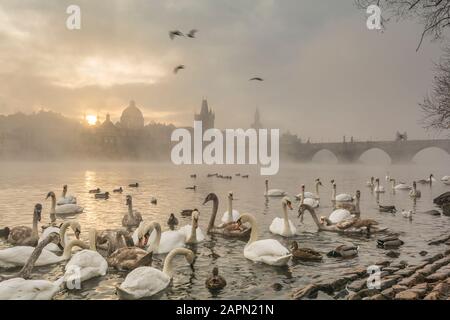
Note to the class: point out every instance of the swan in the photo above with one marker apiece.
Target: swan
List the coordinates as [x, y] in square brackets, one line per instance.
[232, 230]
[230, 215]
[86, 264]
[110, 240]
[74, 225]
[192, 233]
[64, 208]
[429, 181]
[445, 178]
[20, 288]
[131, 219]
[378, 188]
[310, 195]
[65, 199]
[147, 281]
[26, 236]
[283, 226]
[400, 186]
[308, 200]
[169, 240]
[273, 192]
[215, 281]
[414, 193]
[340, 198]
[407, 214]
[18, 256]
[268, 251]
[370, 183]
[337, 216]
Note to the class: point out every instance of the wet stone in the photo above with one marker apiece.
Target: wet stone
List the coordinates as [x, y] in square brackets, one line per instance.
[387, 283]
[399, 288]
[420, 289]
[357, 285]
[423, 253]
[437, 277]
[406, 295]
[390, 269]
[443, 288]
[378, 297]
[393, 254]
[434, 295]
[388, 293]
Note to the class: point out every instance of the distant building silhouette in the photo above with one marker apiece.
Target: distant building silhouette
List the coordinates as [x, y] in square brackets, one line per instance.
[206, 115]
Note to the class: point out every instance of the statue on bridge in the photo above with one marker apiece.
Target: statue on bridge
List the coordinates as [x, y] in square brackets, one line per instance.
[401, 136]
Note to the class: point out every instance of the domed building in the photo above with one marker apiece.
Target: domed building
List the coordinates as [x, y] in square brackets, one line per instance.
[132, 118]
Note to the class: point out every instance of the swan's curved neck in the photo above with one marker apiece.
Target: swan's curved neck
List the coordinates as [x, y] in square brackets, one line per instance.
[214, 214]
[35, 232]
[286, 219]
[68, 249]
[230, 209]
[155, 245]
[314, 217]
[26, 270]
[254, 233]
[193, 236]
[130, 209]
[53, 209]
[333, 193]
[393, 183]
[64, 193]
[168, 268]
[317, 188]
[93, 240]
[267, 187]
[62, 233]
[357, 210]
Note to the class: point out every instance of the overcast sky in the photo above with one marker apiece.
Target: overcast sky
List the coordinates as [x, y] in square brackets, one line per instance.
[326, 74]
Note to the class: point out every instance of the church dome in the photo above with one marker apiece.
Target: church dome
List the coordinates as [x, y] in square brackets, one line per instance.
[132, 117]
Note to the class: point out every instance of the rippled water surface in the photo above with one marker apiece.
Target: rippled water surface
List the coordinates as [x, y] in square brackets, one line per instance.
[22, 185]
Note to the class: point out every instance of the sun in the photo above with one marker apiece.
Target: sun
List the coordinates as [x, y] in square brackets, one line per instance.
[91, 120]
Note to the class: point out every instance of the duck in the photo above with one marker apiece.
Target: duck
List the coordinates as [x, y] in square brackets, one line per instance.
[134, 185]
[400, 186]
[187, 212]
[371, 183]
[145, 282]
[388, 177]
[274, 193]
[64, 209]
[65, 199]
[414, 193]
[407, 214]
[132, 219]
[104, 196]
[193, 234]
[172, 222]
[4, 233]
[378, 188]
[191, 188]
[229, 230]
[283, 226]
[230, 215]
[245, 176]
[304, 254]
[95, 190]
[344, 251]
[26, 236]
[389, 209]
[17, 256]
[429, 181]
[86, 264]
[215, 281]
[390, 241]
[193, 176]
[118, 190]
[21, 288]
[74, 225]
[130, 258]
[153, 201]
[267, 251]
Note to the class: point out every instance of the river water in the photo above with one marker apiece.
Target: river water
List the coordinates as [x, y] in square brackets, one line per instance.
[22, 185]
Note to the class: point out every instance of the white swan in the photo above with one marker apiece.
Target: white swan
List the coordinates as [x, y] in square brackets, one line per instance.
[343, 197]
[414, 193]
[378, 188]
[230, 215]
[268, 251]
[283, 226]
[65, 209]
[370, 183]
[26, 236]
[18, 256]
[339, 215]
[445, 178]
[169, 240]
[86, 264]
[400, 186]
[65, 199]
[148, 281]
[310, 195]
[273, 192]
[308, 198]
[192, 233]
[74, 225]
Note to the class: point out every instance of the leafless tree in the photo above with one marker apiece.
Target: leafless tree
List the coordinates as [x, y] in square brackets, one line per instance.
[433, 14]
[436, 106]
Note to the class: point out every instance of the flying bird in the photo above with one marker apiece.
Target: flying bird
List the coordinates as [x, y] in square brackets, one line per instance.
[180, 67]
[176, 33]
[256, 79]
[192, 33]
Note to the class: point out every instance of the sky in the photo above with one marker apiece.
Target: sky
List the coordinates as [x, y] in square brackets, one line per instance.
[326, 75]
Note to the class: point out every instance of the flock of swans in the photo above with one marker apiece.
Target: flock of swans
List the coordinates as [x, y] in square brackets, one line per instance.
[131, 249]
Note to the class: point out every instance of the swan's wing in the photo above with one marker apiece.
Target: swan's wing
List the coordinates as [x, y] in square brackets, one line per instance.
[236, 215]
[15, 256]
[339, 215]
[311, 202]
[69, 209]
[267, 247]
[171, 240]
[21, 289]
[86, 265]
[276, 226]
[144, 282]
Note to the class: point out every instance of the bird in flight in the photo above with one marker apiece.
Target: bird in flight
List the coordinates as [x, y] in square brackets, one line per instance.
[178, 68]
[176, 33]
[256, 79]
[192, 33]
